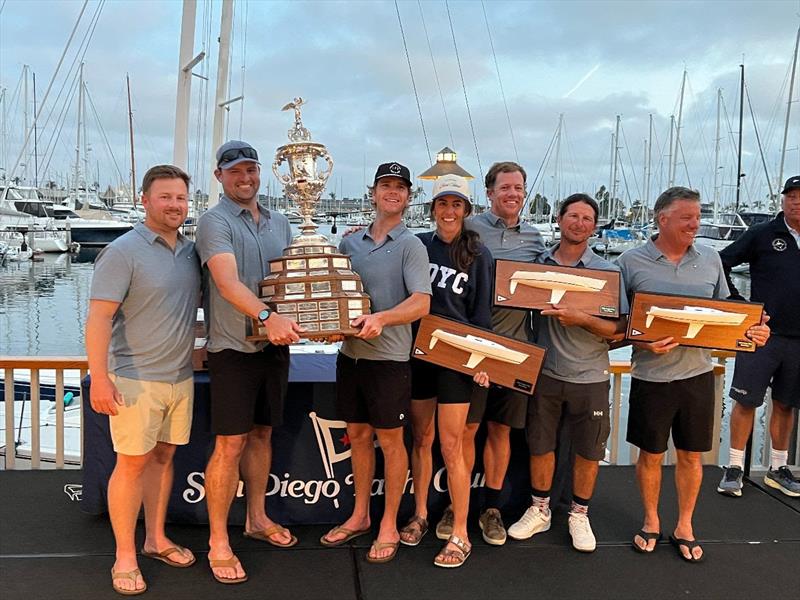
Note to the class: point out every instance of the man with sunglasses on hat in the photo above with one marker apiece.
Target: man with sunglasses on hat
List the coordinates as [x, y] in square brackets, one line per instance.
[236, 239]
[373, 372]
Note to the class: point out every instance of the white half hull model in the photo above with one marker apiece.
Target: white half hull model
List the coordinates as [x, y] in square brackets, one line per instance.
[478, 348]
[558, 283]
[696, 316]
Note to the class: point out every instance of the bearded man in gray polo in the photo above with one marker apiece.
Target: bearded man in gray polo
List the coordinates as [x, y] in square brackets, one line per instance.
[672, 388]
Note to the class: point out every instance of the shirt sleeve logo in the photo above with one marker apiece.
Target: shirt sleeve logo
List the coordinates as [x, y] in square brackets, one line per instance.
[779, 244]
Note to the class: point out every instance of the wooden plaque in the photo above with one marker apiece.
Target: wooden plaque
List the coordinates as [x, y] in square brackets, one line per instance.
[691, 321]
[530, 285]
[467, 349]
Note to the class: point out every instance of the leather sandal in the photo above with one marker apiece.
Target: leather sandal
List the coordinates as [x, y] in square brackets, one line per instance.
[219, 563]
[377, 547]
[164, 556]
[461, 553]
[415, 530]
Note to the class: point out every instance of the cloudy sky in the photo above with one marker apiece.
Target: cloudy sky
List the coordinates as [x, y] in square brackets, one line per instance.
[589, 61]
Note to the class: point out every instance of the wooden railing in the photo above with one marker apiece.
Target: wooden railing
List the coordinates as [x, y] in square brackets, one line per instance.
[8, 364]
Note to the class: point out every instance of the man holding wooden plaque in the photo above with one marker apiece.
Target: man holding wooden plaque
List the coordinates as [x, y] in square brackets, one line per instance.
[574, 383]
[507, 237]
[773, 252]
[672, 388]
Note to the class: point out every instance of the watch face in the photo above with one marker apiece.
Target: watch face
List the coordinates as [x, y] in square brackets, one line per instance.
[264, 314]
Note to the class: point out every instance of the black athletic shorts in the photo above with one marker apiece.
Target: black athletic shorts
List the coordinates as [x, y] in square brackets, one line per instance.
[684, 406]
[377, 392]
[447, 386]
[776, 365]
[585, 407]
[247, 389]
[500, 405]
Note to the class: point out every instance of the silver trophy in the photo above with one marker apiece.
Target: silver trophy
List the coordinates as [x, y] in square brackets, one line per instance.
[311, 283]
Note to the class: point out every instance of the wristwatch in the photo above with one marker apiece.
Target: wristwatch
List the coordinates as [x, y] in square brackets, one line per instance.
[264, 315]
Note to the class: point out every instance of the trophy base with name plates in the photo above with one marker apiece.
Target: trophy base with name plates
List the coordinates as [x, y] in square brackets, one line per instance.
[311, 283]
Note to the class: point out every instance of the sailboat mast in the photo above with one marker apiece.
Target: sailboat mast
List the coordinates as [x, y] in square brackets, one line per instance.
[649, 168]
[35, 139]
[670, 174]
[678, 132]
[557, 172]
[788, 109]
[78, 140]
[130, 130]
[223, 65]
[739, 174]
[610, 177]
[614, 178]
[716, 158]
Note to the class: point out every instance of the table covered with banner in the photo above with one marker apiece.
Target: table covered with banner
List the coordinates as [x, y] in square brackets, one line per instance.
[311, 479]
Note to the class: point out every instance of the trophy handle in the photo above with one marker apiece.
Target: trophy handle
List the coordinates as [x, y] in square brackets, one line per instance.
[284, 179]
[325, 174]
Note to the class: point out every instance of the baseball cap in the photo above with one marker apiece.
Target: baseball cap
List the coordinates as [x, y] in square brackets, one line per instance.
[451, 185]
[235, 151]
[393, 169]
[791, 184]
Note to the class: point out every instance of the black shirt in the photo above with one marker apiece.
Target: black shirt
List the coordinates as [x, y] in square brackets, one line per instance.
[774, 261]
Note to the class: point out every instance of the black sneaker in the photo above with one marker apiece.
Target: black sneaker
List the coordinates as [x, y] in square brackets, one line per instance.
[731, 483]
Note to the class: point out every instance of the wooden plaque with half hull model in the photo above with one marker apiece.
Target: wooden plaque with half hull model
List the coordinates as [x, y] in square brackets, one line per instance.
[535, 286]
[467, 349]
[691, 321]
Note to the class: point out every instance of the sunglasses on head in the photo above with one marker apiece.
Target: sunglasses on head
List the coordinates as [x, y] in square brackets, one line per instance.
[235, 153]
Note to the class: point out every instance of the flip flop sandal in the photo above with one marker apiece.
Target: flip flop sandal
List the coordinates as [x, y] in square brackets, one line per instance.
[164, 556]
[416, 528]
[646, 536]
[350, 534]
[265, 536]
[689, 545]
[218, 563]
[378, 546]
[461, 554]
[132, 575]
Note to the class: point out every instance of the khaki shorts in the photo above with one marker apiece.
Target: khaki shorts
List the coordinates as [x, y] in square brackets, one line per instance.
[152, 411]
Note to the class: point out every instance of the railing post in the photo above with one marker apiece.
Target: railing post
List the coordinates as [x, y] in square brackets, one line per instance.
[83, 374]
[616, 409]
[36, 444]
[59, 418]
[11, 447]
[712, 456]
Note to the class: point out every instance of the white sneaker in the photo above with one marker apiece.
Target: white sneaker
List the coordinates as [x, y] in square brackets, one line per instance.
[532, 522]
[581, 532]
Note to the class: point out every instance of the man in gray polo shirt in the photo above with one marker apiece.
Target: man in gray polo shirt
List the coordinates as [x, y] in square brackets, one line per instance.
[373, 375]
[672, 388]
[507, 237]
[139, 341]
[236, 239]
[574, 383]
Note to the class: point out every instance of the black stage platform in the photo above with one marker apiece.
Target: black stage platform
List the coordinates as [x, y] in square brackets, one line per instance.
[50, 549]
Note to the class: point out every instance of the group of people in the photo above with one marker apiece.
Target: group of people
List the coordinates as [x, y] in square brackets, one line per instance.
[148, 283]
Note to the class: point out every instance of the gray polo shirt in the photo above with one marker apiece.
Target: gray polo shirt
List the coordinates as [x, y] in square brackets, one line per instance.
[158, 288]
[390, 271]
[574, 354]
[698, 273]
[228, 228]
[521, 242]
